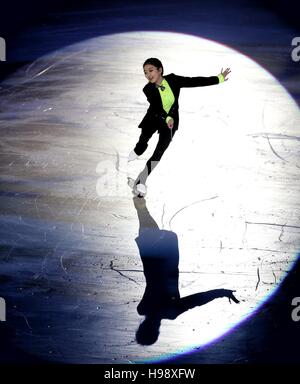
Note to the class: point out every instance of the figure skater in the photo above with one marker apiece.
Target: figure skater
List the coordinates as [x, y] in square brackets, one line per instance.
[162, 116]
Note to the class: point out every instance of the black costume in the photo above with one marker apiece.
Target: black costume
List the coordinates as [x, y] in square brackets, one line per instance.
[155, 118]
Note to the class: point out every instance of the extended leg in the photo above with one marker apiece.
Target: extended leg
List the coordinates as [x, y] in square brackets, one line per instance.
[162, 145]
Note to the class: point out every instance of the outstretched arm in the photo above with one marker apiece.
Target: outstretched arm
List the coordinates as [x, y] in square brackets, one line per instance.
[223, 75]
[198, 81]
[187, 82]
[201, 298]
[201, 81]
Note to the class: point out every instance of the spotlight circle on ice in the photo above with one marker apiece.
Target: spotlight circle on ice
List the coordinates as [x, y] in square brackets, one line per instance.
[225, 190]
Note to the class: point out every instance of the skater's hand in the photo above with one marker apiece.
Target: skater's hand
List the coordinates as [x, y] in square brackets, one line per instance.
[229, 293]
[170, 123]
[225, 73]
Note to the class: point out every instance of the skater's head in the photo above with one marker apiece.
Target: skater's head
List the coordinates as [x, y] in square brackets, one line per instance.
[153, 70]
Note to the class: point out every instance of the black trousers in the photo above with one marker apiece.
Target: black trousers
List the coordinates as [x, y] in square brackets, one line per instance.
[165, 137]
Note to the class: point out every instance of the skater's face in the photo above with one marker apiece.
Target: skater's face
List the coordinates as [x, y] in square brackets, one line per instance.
[153, 74]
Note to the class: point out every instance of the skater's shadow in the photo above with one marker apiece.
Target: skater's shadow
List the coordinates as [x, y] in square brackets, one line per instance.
[160, 257]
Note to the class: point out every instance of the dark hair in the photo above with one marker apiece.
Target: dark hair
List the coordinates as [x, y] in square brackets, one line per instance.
[156, 62]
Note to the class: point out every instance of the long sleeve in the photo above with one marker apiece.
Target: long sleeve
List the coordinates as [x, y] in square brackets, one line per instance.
[199, 81]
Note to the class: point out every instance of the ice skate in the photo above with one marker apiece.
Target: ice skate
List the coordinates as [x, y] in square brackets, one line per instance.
[141, 190]
[132, 156]
[138, 190]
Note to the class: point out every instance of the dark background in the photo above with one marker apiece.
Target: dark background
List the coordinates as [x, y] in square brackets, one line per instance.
[17, 17]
